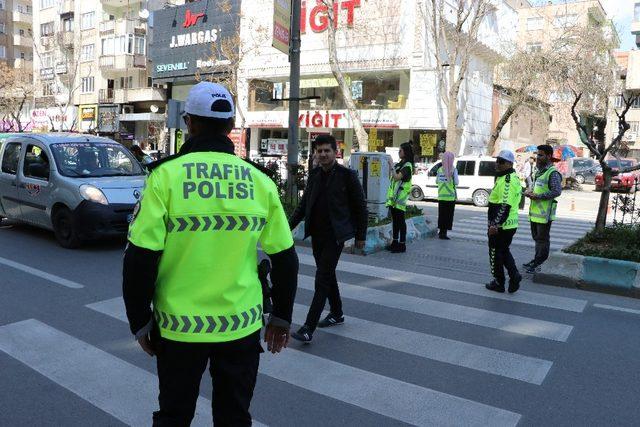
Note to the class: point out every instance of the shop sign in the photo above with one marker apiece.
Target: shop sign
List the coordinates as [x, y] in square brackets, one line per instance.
[238, 137]
[178, 50]
[46, 73]
[88, 113]
[61, 68]
[322, 119]
[281, 25]
[316, 14]
[108, 119]
[274, 146]
[428, 143]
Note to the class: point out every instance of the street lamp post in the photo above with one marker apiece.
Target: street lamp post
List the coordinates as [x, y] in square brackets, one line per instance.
[294, 102]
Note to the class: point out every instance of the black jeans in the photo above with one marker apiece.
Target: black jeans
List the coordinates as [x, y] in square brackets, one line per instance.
[399, 225]
[500, 255]
[326, 251]
[445, 215]
[233, 366]
[541, 235]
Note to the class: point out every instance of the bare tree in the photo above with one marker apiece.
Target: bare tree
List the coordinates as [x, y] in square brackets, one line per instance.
[453, 27]
[16, 93]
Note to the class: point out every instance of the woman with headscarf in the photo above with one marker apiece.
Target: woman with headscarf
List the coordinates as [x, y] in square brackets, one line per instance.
[398, 194]
[447, 180]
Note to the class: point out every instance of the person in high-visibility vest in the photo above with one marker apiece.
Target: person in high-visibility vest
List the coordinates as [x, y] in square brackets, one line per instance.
[504, 201]
[542, 211]
[192, 252]
[397, 196]
[447, 181]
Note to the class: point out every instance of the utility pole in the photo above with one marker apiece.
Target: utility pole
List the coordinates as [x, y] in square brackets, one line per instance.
[294, 103]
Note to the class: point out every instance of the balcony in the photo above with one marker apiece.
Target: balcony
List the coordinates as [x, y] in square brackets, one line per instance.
[67, 7]
[21, 17]
[67, 38]
[88, 98]
[105, 96]
[633, 71]
[123, 26]
[635, 27]
[142, 117]
[118, 3]
[24, 41]
[119, 63]
[25, 64]
[142, 94]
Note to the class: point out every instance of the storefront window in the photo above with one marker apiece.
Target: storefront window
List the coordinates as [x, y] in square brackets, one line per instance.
[263, 95]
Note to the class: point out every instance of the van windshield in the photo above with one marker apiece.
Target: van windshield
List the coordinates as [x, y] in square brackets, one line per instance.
[94, 159]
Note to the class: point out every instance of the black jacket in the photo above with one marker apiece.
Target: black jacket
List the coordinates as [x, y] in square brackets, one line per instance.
[347, 205]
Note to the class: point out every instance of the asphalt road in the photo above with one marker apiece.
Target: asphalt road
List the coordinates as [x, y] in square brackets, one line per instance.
[424, 344]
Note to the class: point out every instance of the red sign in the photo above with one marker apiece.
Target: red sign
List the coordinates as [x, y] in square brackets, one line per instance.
[191, 19]
[319, 119]
[238, 137]
[318, 15]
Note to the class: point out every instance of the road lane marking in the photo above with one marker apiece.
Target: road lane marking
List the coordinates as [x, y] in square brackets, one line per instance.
[613, 307]
[386, 396]
[522, 296]
[479, 358]
[42, 274]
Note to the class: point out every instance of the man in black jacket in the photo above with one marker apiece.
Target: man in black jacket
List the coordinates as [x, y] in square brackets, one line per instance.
[334, 210]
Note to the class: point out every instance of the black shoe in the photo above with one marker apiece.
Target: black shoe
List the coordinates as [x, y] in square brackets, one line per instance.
[514, 283]
[331, 320]
[529, 264]
[304, 334]
[495, 286]
[533, 269]
[392, 246]
[443, 236]
[400, 248]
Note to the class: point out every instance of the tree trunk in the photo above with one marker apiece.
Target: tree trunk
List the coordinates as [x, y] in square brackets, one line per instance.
[453, 133]
[601, 220]
[491, 145]
[345, 90]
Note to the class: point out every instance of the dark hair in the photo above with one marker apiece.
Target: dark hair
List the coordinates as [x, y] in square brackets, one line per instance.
[212, 125]
[407, 147]
[546, 148]
[324, 140]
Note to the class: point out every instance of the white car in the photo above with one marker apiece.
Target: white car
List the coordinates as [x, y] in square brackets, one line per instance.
[476, 175]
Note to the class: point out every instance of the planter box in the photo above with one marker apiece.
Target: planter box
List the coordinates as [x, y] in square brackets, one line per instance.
[378, 237]
[598, 274]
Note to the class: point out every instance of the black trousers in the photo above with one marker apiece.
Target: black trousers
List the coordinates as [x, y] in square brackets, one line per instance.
[233, 366]
[500, 255]
[445, 215]
[326, 251]
[398, 225]
[541, 234]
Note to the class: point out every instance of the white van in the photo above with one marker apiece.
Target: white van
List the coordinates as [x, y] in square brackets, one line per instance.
[476, 175]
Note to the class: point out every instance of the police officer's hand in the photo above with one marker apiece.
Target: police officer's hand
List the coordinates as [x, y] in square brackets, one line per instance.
[493, 230]
[276, 338]
[146, 345]
[360, 244]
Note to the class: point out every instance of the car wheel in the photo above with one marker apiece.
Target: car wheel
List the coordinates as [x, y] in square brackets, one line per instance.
[416, 194]
[65, 229]
[481, 198]
[580, 179]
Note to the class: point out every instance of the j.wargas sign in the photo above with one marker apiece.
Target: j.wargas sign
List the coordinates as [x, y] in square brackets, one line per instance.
[185, 37]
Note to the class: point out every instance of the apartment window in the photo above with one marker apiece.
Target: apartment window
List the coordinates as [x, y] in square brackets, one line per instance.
[87, 52]
[46, 60]
[67, 24]
[87, 20]
[636, 12]
[565, 21]
[2, 28]
[534, 47]
[139, 48]
[87, 85]
[1, 4]
[46, 29]
[126, 82]
[3, 52]
[44, 4]
[125, 44]
[620, 103]
[535, 24]
[48, 89]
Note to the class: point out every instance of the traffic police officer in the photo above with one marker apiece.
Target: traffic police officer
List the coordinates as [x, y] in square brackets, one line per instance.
[397, 196]
[447, 181]
[192, 251]
[504, 201]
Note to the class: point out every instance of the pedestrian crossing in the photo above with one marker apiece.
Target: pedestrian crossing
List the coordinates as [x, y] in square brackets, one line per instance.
[129, 392]
[564, 231]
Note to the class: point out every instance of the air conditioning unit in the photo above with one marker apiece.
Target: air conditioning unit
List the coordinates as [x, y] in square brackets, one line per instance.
[127, 109]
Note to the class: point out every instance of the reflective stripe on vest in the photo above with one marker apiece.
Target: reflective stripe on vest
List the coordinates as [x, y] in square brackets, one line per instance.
[508, 192]
[446, 188]
[207, 324]
[543, 211]
[398, 192]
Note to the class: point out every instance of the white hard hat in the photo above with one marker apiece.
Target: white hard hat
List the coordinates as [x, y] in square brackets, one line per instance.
[208, 99]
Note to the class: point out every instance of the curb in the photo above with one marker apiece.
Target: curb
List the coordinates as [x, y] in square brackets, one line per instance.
[418, 227]
[591, 273]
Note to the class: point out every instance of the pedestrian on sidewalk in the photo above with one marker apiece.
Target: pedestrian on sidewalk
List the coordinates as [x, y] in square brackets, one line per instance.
[542, 211]
[398, 194]
[528, 172]
[503, 223]
[447, 181]
[334, 210]
[201, 276]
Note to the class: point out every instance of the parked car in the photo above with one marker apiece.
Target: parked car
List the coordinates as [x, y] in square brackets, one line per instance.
[80, 186]
[476, 175]
[619, 182]
[584, 169]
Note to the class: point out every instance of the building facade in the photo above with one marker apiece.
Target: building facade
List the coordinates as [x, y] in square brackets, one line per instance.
[538, 28]
[91, 69]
